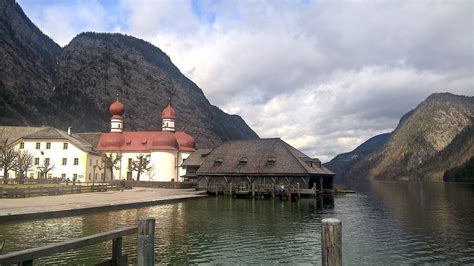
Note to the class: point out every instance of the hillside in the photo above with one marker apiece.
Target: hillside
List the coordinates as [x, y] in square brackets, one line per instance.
[343, 163]
[425, 143]
[44, 84]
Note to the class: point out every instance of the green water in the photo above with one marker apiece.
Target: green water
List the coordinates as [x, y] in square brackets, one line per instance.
[384, 223]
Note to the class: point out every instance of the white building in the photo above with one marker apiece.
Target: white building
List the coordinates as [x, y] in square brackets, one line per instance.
[68, 155]
[165, 150]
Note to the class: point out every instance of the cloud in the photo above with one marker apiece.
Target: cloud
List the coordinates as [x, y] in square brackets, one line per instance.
[63, 20]
[323, 75]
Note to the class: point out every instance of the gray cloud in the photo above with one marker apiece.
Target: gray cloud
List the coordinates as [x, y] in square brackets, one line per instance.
[323, 75]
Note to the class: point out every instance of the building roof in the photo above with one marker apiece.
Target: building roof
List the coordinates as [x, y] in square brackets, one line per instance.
[11, 134]
[91, 137]
[145, 141]
[196, 158]
[16, 133]
[259, 157]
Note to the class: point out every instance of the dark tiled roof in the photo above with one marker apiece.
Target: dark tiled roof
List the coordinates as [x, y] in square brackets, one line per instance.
[16, 133]
[259, 157]
[196, 158]
[91, 137]
[12, 133]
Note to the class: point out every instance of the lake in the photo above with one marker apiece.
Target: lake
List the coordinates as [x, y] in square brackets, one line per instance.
[383, 223]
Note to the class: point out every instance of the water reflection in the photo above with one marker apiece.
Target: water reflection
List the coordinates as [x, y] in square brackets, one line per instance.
[384, 223]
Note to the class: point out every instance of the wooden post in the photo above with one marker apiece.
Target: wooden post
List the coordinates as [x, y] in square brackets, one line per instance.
[273, 191]
[315, 189]
[321, 184]
[146, 242]
[253, 190]
[298, 190]
[331, 242]
[116, 250]
[217, 190]
[230, 189]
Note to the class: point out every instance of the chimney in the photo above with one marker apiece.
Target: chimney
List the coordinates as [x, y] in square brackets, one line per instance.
[69, 129]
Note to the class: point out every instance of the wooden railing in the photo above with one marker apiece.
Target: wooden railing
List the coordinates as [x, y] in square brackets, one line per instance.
[145, 246]
[35, 191]
[156, 184]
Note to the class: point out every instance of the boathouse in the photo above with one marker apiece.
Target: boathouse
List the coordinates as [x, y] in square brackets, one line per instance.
[269, 161]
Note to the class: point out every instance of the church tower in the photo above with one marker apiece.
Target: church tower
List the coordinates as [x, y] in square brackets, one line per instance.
[168, 117]
[116, 110]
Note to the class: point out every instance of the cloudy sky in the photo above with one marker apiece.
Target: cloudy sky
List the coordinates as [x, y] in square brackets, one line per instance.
[323, 75]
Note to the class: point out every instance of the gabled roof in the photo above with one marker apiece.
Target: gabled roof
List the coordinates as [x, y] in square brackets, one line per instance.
[17, 133]
[196, 158]
[13, 133]
[259, 157]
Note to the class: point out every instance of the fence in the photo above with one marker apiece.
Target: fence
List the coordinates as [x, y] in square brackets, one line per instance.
[36, 191]
[145, 246]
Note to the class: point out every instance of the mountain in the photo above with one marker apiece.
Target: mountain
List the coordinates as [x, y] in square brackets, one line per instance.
[343, 163]
[434, 137]
[44, 84]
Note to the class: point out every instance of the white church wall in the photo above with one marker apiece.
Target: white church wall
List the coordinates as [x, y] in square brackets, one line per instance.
[164, 166]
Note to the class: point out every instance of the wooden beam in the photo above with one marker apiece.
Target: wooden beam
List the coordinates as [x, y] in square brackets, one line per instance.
[34, 253]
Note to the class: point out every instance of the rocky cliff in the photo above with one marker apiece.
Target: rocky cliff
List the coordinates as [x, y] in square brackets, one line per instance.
[44, 84]
[429, 140]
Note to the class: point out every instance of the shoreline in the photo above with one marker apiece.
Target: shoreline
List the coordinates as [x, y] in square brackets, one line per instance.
[52, 207]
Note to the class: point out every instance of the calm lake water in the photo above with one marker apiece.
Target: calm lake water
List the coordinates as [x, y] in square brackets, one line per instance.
[384, 223]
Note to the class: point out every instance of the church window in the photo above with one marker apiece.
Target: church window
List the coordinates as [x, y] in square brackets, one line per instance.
[47, 161]
[65, 146]
[37, 161]
[22, 145]
[64, 161]
[76, 161]
[48, 145]
[38, 145]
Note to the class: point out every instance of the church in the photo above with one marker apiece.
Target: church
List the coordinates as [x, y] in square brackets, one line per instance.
[145, 155]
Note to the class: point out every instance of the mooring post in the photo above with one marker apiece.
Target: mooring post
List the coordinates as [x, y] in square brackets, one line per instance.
[146, 242]
[253, 190]
[230, 189]
[273, 191]
[315, 189]
[217, 190]
[331, 242]
[298, 190]
[117, 251]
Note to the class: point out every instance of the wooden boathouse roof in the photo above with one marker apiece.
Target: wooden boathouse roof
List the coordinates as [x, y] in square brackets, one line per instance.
[262, 157]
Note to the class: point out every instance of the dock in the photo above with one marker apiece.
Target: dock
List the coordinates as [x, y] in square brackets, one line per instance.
[265, 191]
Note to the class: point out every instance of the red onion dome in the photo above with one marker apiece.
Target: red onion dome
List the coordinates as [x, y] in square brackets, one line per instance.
[185, 141]
[116, 108]
[168, 113]
[113, 139]
[164, 141]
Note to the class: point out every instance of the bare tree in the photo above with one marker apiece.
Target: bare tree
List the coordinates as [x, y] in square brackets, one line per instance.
[110, 162]
[46, 168]
[140, 165]
[24, 163]
[7, 158]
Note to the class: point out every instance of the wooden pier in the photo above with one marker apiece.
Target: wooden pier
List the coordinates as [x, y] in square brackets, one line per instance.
[265, 191]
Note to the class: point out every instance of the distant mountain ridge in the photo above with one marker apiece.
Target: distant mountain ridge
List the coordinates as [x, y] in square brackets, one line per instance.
[432, 138]
[44, 84]
[343, 163]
